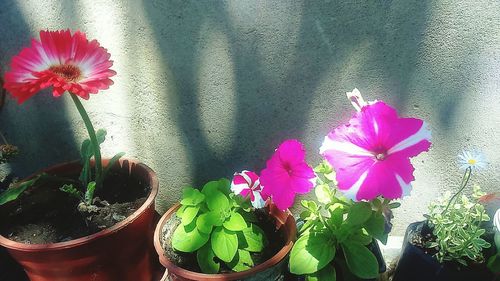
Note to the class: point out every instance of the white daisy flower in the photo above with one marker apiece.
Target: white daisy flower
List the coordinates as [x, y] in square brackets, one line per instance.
[472, 158]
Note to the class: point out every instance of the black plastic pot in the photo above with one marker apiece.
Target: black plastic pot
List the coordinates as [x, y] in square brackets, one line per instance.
[416, 265]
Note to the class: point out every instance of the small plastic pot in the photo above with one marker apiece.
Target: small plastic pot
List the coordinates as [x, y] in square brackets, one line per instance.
[416, 265]
[271, 269]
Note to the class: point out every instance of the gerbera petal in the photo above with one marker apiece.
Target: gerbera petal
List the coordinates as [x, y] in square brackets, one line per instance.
[62, 60]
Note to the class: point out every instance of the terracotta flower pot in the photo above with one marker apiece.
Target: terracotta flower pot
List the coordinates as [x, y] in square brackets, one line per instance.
[121, 252]
[264, 271]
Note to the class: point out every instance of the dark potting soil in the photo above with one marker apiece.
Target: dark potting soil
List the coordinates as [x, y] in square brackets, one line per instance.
[188, 261]
[44, 214]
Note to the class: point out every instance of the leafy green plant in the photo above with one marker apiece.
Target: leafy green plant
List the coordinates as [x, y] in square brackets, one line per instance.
[457, 224]
[335, 226]
[217, 225]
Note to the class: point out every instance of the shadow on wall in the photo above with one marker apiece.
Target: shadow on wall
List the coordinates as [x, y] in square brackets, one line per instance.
[274, 93]
[40, 127]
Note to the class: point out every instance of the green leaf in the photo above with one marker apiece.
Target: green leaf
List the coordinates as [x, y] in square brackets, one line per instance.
[111, 163]
[326, 274]
[189, 214]
[394, 205]
[13, 192]
[235, 223]
[360, 260]
[359, 213]
[241, 261]
[323, 193]
[311, 253]
[101, 135]
[180, 211]
[336, 216]
[224, 243]
[205, 257]
[89, 193]
[71, 190]
[215, 199]
[252, 238]
[188, 241]
[494, 263]
[375, 226]
[191, 196]
[224, 186]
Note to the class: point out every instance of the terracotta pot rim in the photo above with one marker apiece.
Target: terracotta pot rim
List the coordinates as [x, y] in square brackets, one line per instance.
[272, 261]
[10, 244]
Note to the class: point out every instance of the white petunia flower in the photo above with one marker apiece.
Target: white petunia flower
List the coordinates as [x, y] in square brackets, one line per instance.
[496, 220]
[472, 158]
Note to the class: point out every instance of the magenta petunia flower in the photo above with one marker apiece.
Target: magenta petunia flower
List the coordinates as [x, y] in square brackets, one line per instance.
[371, 154]
[286, 174]
[247, 183]
[65, 61]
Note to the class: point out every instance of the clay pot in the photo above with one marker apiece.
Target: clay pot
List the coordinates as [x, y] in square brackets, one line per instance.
[121, 252]
[265, 271]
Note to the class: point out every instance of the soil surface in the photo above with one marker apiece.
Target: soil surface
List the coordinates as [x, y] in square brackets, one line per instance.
[44, 214]
[188, 261]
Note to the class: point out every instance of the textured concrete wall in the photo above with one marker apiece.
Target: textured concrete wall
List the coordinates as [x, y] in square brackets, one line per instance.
[205, 88]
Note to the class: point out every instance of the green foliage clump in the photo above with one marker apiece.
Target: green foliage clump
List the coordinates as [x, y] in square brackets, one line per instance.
[458, 228]
[334, 227]
[217, 225]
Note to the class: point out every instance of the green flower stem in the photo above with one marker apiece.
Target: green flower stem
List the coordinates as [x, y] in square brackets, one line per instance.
[465, 180]
[3, 138]
[93, 140]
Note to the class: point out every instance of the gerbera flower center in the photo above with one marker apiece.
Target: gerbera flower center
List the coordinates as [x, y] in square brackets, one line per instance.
[68, 72]
[472, 161]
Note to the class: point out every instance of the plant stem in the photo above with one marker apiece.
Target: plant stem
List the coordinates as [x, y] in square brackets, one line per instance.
[93, 140]
[465, 180]
[3, 138]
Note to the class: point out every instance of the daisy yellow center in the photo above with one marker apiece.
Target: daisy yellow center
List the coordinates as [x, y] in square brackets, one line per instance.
[69, 72]
[472, 161]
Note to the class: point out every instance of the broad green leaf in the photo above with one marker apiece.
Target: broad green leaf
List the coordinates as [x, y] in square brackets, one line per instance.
[235, 223]
[311, 253]
[241, 261]
[375, 226]
[360, 260]
[205, 222]
[336, 215]
[191, 196]
[224, 243]
[180, 211]
[215, 199]
[188, 241]
[359, 213]
[111, 163]
[328, 273]
[89, 193]
[224, 186]
[252, 238]
[13, 192]
[189, 214]
[323, 193]
[361, 238]
[205, 257]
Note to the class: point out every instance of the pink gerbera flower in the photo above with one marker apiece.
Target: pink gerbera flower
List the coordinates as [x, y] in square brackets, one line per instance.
[64, 61]
[286, 174]
[247, 183]
[371, 154]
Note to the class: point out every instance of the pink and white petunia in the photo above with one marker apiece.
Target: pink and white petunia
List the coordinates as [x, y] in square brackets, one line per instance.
[286, 174]
[246, 184]
[65, 61]
[371, 154]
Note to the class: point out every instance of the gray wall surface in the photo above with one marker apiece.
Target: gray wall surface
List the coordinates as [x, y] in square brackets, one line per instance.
[206, 88]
